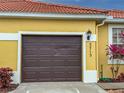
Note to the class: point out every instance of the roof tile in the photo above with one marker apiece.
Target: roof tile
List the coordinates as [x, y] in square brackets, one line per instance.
[116, 13]
[30, 6]
[40, 7]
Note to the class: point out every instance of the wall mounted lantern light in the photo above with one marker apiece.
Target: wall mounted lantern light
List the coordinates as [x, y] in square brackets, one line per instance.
[89, 33]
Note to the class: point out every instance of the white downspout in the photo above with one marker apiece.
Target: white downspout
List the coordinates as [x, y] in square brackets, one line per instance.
[97, 59]
[102, 23]
[97, 29]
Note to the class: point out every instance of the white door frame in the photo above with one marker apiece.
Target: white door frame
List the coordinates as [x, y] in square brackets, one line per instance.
[87, 75]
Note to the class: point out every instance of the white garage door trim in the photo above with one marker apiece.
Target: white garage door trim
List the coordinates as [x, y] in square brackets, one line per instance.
[17, 74]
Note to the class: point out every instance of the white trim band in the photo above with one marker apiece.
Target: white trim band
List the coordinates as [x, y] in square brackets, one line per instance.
[8, 36]
[50, 33]
[90, 76]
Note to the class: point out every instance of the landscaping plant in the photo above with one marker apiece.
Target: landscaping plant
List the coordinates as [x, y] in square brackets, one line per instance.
[120, 77]
[101, 71]
[115, 53]
[105, 80]
[5, 77]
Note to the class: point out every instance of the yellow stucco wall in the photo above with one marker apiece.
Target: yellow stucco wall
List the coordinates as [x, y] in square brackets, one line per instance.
[8, 54]
[8, 49]
[102, 58]
[14, 25]
[91, 56]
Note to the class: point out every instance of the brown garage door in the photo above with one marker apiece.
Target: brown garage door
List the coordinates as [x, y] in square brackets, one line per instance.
[51, 58]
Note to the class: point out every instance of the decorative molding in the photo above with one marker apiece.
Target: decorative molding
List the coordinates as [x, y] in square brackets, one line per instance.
[8, 36]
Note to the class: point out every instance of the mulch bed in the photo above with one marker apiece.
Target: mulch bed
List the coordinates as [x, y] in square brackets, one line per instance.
[11, 88]
[112, 87]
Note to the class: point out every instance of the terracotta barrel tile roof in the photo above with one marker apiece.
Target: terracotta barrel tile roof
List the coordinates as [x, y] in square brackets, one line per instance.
[116, 13]
[39, 7]
[30, 6]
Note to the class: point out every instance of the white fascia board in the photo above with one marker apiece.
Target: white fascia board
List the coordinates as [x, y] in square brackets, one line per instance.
[53, 16]
[115, 20]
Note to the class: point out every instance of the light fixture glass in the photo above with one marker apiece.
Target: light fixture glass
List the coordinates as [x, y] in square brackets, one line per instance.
[89, 33]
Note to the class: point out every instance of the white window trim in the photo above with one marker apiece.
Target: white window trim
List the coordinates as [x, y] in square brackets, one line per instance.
[85, 73]
[110, 27]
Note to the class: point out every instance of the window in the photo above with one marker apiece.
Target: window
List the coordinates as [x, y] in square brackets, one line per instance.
[116, 37]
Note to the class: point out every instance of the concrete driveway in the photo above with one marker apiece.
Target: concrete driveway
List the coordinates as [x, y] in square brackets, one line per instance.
[58, 87]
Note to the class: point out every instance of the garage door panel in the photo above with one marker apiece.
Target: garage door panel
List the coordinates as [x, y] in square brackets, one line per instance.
[38, 63]
[59, 79]
[67, 47]
[60, 74]
[36, 69]
[66, 69]
[59, 63]
[72, 63]
[74, 74]
[40, 52]
[29, 49]
[67, 52]
[51, 58]
[44, 80]
[73, 79]
[51, 43]
[56, 57]
[44, 75]
[70, 48]
[65, 63]
[35, 51]
[59, 68]
[74, 68]
[39, 57]
[44, 39]
[30, 74]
